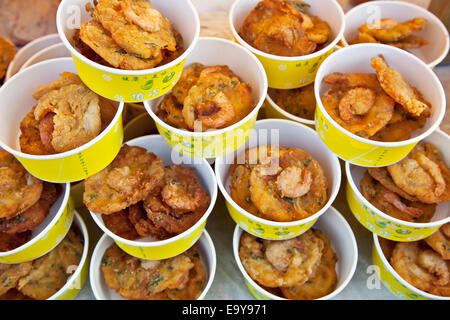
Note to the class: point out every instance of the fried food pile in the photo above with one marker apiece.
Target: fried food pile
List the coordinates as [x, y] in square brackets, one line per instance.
[206, 98]
[278, 183]
[300, 102]
[42, 278]
[424, 264]
[302, 268]
[381, 106]
[284, 28]
[68, 114]
[391, 32]
[128, 34]
[7, 53]
[410, 189]
[139, 197]
[25, 201]
[182, 277]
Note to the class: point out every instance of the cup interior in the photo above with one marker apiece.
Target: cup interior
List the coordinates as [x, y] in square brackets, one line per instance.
[101, 290]
[342, 240]
[434, 31]
[356, 59]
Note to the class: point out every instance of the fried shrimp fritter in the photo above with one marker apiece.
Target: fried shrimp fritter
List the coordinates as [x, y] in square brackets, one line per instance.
[284, 28]
[50, 272]
[30, 136]
[126, 181]
[33, 216]
[281, 263]
[440, 241]
[10, 274]
[300, 102]
[19, 190]
[7, 53]
[393, 31]
[119, 223]
[137, 279]
[65, 79]
[324, 279]
[396, 86]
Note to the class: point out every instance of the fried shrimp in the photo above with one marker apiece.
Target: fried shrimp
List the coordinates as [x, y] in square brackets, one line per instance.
[297, 259]
[320, 31]
[7, 53]
[356, 101]
[294, 182]
[126, 181]
[397, 87]
[439, 241]
[434, 263]
[142, 14]
[322, 282]
[145, 279]
[382, 176]
[19, 190]
[390, 32]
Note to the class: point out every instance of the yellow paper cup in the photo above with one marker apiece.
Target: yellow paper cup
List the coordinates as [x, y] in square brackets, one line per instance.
[130, 85]
[216, 143]
[148, 247]
[101, 290]
[140, 126]
[70, 166]
[48, 234]
[291, 72]
[343, 242]
[287, 134]
[365, 152]
[55, 51]
[76, 282]
[393, 281]
[435, 31]
[383, 224]
[28, 51]
[274, 111]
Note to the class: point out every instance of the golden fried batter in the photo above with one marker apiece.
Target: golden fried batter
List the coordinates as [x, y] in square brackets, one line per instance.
[65, 79]
[440, 241]
[30, 136]
[10, 274]
[300, 102]
[19, 190]
[126, 181]
[120, 224]
[391, 31]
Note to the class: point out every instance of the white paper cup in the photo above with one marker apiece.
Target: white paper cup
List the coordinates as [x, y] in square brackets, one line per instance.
[383, 224]
[103, 292]
[52, 52]
[286, 134]
[435, 31]
[215, 143]
[76, 282]
[393, 281]
[148, 247]
[365, 152]
[48, 234]
[342, 240]
[70, 166]
[291, 72]
[130, 85]
[28, 51]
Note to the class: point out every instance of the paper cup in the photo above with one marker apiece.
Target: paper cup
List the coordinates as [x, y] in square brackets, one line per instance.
[435, 31]
[28, 51]
[70, 166]
[383, 224]
[216, 143]
[393, 281]
[76, 282]
[103, 292]
[274, 111]
[343, 242]
[365, 152]
[131, 111]
[287, 134]
[148, 247]
[76, 193]
[52, 52]
[48, 234]
[140, 126]
[130, 85]
[291, 72]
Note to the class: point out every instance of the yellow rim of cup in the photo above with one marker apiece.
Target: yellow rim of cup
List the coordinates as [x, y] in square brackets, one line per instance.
[291, 72]
[393, 281]
[163, 249]
[357, 150]
[406, 5]
[48, 238]
[261, 294]
[76, 282]
[126, 85]
[205, 242]
[274, 230]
